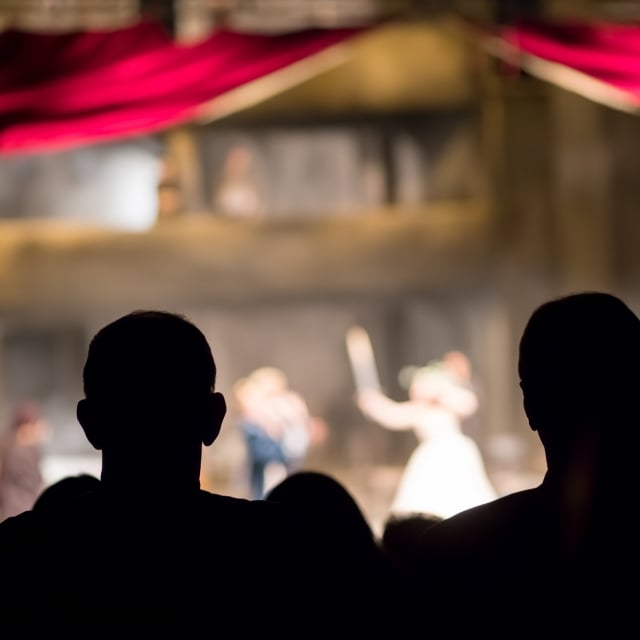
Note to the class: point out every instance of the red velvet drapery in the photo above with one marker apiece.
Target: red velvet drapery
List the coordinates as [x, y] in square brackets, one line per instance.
[600, 60]
[64, 90]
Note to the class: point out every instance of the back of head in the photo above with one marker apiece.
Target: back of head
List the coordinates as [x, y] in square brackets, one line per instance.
[62, 493]
[402, 536]
[579, 358]
[353, 581]
[324, 503]
[148, 366]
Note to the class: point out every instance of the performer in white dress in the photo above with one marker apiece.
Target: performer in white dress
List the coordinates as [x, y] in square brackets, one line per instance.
[446, 473]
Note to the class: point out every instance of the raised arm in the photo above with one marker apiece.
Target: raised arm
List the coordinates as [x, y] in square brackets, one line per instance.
[398, 416]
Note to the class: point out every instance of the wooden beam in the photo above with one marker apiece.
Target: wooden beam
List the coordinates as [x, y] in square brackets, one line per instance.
[204, 260]
[395, 68]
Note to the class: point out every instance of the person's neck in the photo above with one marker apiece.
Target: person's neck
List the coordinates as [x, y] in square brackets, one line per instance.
[146, 472]
[120, 483]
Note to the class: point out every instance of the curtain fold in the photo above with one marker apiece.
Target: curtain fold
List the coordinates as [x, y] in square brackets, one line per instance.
[598, 60]
[59, 91]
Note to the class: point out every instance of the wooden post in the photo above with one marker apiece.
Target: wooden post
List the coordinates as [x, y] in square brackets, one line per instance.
[581, 183]
[623, 133]
[182, 149]
[190, 21]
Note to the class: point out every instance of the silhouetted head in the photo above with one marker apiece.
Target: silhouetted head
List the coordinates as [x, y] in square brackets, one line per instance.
[579, 366]
[402, 536]
[344, 548]
[62, 493]
[323, 502]
[149, 381]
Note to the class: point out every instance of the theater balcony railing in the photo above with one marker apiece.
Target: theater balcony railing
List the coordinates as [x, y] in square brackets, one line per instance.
[60, 268]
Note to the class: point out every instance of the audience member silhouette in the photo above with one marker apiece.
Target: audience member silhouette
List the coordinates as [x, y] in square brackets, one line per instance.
[324, 503]
[364, 586]
[149, 549]
[63, 493]
[560, 559]
[401, 538]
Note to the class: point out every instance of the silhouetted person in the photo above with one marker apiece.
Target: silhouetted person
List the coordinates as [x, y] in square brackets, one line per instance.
[401, 538]
[63, 493]
[149, 549]
[364, 588]
[21, 477]
[558, 560]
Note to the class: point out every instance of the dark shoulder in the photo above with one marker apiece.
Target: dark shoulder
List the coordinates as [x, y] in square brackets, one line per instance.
[14, 528]
[241, 512]
[488, 523]
[482, 540]
[37, 527]
[20, 535]
[242, 506]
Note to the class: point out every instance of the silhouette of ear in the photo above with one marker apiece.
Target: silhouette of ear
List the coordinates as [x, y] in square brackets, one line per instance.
[528, 406]
[217, 411]
[89, 423]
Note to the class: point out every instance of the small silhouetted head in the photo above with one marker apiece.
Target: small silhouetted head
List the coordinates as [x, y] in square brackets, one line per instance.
[323, 501]
[579, 364]
[145, 373]
[62, 493]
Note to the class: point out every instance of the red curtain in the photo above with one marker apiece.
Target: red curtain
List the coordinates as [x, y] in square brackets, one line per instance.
[606, 53]
[58, 91]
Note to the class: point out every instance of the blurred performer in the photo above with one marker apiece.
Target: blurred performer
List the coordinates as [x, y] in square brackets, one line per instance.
[459, 364]
[21, 478]
[239, 195]
[277, 427]
[446, 473]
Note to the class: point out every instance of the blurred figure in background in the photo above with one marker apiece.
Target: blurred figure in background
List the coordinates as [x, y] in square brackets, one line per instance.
[276, 426]
[238, 193]
[21, 478]
[459, 364]
[446, 473]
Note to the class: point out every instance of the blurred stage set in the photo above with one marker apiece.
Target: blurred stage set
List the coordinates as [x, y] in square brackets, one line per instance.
[431, 171]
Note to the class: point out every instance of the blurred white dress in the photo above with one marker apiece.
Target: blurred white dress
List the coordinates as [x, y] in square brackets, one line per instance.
[445, 474]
